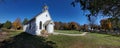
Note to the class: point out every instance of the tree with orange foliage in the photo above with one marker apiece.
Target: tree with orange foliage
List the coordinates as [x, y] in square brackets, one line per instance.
[17, 24]
[106, 24]
[73, 26]
[57, 25]
[65, 26]
[109, 25]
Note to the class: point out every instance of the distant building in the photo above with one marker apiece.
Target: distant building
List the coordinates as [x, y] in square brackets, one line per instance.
[40, 22]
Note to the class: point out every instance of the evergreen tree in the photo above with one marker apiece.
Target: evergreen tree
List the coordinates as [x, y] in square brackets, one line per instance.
[25, 21]
[7, 25]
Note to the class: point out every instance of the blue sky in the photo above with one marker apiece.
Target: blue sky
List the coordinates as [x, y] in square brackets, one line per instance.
[60, 10]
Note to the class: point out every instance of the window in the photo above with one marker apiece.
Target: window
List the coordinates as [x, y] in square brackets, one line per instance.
[46, 15]
[50, 23]
[30, 26]
[45, 27]
[40, 26]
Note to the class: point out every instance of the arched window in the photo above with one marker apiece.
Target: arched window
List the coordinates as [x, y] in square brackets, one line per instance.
[30, 26]
[40, 26]
[46, 15]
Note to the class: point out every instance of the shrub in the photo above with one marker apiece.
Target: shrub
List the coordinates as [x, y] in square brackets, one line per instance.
[44, 33]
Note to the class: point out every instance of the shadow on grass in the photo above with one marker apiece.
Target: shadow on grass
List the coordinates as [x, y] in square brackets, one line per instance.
[25, 40]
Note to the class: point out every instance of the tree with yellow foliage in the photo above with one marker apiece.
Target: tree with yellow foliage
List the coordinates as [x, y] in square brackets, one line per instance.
[17, 24]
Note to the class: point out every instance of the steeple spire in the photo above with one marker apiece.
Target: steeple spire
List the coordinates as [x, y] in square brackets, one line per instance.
[45, 7]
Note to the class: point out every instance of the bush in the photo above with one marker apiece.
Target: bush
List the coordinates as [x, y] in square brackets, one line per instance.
[1, 25]
[44, 33]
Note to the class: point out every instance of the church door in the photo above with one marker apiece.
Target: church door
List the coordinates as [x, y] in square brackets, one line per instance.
[45, 27]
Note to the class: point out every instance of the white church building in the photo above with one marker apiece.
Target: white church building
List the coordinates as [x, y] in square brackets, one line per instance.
[40, 22]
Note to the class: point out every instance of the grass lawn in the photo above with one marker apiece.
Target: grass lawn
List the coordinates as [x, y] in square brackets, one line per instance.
[25, 40]
[91, 40]
[68, 31]
[14, 33]
[9, 33]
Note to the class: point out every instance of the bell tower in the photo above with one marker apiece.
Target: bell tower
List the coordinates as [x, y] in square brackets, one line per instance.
[45, 8]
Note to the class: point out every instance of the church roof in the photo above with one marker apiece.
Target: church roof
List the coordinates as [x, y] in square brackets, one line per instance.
[47, 22]
[45, 8]
[35, 17]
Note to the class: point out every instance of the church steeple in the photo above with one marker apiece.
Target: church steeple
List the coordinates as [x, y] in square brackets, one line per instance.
[45, 8]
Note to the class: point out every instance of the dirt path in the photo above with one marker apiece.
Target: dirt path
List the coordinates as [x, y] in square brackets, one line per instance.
[3, 35]
[84, 33]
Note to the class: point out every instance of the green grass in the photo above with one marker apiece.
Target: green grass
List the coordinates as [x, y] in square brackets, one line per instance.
[19, 39]
[14, 33]
[104, 39]
[92, 40]
[25, 40]
[9, 33]
[68, 31]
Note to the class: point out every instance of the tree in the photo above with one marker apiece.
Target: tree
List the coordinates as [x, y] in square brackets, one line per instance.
[7, 24]
[17, 24]
[65, 26]
[92, 23]
[106, 24]
[105, 7]
[25, 21]
[57, 25]
[115, 22]
[73, 26]
[60, 25]
[84, 27]
[1, 25]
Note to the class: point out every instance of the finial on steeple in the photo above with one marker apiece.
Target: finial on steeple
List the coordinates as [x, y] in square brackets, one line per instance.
[45, 7]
